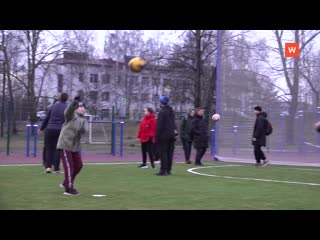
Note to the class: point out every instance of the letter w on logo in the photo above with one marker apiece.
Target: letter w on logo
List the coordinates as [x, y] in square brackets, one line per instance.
[292, 50]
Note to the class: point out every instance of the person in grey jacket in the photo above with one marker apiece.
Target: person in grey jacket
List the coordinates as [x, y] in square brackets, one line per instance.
[69, 142]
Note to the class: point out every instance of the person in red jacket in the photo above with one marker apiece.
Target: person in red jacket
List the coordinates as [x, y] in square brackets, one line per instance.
[147, 136]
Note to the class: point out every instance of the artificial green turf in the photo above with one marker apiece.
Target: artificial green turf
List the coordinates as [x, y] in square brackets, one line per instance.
[130, 188]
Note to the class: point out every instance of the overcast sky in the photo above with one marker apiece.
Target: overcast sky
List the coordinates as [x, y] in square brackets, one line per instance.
[171, 36]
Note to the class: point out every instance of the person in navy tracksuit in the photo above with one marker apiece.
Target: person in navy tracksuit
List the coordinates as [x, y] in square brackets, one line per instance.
[52, 125]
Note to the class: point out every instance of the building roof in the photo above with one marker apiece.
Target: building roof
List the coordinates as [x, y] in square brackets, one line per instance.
[70, 57]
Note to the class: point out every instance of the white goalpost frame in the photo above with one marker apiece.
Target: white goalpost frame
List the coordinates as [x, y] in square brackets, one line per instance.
[90, 132]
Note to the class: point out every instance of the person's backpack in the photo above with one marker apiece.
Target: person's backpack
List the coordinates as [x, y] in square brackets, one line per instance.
[269, 128]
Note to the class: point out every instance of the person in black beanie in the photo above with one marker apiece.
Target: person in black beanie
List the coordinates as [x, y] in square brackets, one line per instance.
[259, 136]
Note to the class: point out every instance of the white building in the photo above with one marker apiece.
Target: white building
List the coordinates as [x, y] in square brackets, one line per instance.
[105, 83]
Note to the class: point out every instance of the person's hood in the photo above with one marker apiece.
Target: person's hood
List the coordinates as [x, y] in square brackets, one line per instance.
[167, 108]
[149, 116]
[264, 114]
[198, 116]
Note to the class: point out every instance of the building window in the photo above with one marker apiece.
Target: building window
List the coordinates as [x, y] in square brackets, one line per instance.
[134, 79]
[166, 82]
[81, 77]
[134, 97]
[106, 79]
[156, 80]
[145, 97]
[156, 97]
[146, 81]
[105, 113]
[81, 93]
[93, 78]
[60, 83]
[93, 96]
[105, 96]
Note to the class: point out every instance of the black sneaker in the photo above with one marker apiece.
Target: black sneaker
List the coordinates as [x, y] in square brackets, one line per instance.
[153, 166]
[71, 192]
[142, 166]
[162, 174]
[188, 162]
[198, 164]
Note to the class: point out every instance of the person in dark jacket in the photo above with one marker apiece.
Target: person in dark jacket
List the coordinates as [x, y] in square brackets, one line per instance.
[165, 136]
[56, 99]
[156, 151]
[259, 136]
[200, 135]
[53, 125]
[317, 126]
[186, 136]
[147, 136]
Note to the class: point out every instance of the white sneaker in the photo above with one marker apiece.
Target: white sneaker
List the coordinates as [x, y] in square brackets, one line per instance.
[61, 185]
[144, 167]
[265, 163]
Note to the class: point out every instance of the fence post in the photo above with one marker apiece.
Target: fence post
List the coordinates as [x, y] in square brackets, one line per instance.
[121, 138]
[35, 140]
[113, 142]
[318, 119]
[300, 134]
[90, 129]
[235, 140]
[282, 132]
[9, 111]
[28, 140]
[267, 144]
[212, 142]
[112, 133]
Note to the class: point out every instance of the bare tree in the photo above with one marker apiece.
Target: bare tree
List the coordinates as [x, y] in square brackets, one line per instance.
[82, 62]
[190, 59]
[11, 52]
[310, 71]
[34, 52]
[120, 46]
[80, 41]
[155, 52]
[292, 74]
